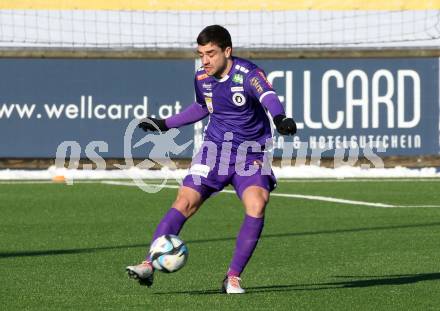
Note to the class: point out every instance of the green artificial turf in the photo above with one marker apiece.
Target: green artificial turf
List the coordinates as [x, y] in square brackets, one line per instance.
[65, 248]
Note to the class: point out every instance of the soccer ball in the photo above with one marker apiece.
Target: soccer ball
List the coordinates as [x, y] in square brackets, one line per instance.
[168, 253]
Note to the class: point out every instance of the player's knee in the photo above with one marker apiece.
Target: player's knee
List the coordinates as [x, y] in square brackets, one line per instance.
[255, 200]
[256, 207]
[185, 206]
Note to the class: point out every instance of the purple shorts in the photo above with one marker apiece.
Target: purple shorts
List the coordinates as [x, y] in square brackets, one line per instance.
[211, 175]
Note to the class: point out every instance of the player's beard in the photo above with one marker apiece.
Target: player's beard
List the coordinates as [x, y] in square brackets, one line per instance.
[218, 74]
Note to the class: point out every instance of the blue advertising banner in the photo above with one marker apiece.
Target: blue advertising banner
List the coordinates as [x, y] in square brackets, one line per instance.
[45, 102]
[393, 103]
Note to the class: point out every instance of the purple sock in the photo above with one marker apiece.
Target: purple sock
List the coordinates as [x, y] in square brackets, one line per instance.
[247, 240]
[171, 223]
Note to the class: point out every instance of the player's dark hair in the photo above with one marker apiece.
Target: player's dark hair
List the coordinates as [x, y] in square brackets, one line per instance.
[215, 34]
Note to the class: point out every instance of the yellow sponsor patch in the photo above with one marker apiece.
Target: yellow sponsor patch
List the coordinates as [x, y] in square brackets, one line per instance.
[202, 76]
[208, 101]
[256, 84]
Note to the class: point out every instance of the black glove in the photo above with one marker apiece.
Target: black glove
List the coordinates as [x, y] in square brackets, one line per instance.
[152, 124]
[285, 126]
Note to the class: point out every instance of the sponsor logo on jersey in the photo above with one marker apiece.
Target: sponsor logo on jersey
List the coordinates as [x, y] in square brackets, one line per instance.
[207, 86]
[207, 94]
[200, 169]
[202, 76]
[208, 101]
[255, 82]
[237, 78]
[264, 78]
[237, 89]
[238, 99]
[241, 68]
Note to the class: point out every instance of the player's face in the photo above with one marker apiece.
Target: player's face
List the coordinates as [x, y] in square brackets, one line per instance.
[214, 59]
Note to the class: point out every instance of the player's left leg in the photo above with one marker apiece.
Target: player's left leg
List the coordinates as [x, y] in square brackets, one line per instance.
[255, 199]
[254, 193]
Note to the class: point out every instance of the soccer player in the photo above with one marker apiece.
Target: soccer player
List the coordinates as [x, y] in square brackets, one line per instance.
[236, 95]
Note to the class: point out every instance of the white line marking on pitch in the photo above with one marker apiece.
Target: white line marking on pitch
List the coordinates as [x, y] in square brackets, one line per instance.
[313, 180]
[289, 195]
[23, 182]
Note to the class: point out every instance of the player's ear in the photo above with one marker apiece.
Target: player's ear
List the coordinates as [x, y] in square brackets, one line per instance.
[228, 51]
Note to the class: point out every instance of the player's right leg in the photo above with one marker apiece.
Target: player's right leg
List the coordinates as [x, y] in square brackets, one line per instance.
[200, 184]
[143, 272]
[187, 203]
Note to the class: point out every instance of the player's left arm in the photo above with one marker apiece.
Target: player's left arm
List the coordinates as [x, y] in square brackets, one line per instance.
[261, 88]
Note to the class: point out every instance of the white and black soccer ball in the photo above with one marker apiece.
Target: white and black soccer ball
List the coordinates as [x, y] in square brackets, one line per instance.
[168, 253]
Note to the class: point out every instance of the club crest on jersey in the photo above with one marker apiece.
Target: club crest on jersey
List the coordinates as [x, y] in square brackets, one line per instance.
[237, 78]
[238, 99]
[208, 101]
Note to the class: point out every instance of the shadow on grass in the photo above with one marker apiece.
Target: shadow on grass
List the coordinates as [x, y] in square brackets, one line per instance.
[264, 236]
[360, 282]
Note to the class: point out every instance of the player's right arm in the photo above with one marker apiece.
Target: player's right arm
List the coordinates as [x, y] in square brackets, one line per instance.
[193, 113]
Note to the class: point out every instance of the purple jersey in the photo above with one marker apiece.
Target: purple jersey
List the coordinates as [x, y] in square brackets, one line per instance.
[234, 103]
